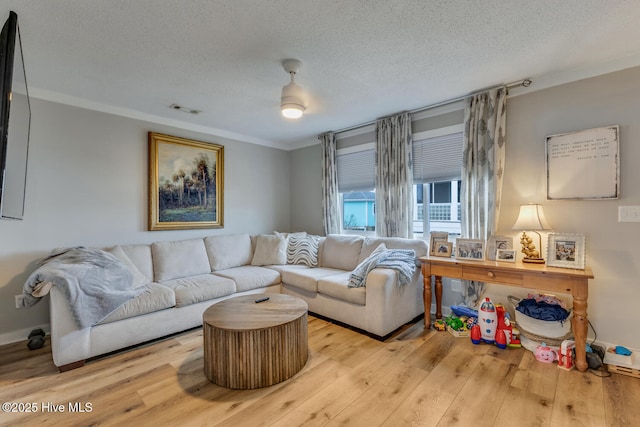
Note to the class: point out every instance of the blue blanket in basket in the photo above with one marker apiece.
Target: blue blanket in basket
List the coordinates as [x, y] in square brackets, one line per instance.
[541, 310]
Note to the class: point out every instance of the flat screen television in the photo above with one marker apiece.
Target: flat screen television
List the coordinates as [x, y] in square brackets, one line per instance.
[15, 122]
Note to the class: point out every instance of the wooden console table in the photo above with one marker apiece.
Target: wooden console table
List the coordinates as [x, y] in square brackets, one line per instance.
[534, 276]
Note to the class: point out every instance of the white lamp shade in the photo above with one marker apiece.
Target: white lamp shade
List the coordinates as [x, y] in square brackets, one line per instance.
[291, 103]
[531, 217]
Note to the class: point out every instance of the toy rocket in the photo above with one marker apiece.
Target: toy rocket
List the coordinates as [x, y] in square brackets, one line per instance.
[487, 319]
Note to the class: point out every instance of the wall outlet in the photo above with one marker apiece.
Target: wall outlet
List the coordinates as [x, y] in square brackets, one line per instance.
[456, 285]
[628, 213]
[18, 301]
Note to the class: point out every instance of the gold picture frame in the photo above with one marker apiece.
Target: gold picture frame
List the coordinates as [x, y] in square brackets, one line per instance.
[186, 183]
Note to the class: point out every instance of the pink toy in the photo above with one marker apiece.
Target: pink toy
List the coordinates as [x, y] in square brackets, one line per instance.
[565, 358]
[545, 353]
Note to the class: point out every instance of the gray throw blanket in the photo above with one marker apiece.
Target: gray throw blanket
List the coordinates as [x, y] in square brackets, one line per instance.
[401, 260]
[95, 283]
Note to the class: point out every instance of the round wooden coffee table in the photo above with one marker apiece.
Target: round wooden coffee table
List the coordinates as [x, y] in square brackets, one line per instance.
[251, 345]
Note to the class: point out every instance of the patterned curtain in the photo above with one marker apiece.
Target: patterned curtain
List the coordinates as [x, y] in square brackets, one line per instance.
[330, 195]
[394, 177]
[482, 169]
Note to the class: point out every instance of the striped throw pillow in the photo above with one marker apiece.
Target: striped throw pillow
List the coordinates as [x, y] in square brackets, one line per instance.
[303, 250]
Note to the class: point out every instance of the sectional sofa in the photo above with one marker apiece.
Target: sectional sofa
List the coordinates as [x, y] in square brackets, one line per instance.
[180, 279]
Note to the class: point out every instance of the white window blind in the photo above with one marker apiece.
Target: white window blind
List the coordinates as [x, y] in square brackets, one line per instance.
[438, 158]
[356, 171]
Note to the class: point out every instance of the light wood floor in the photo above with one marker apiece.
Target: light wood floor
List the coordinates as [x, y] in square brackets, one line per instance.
[414, 378]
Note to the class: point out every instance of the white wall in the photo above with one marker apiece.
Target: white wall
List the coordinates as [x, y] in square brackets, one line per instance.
[612, 247]
[87, 185]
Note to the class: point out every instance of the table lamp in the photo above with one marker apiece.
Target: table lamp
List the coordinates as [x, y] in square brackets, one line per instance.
[531, 217]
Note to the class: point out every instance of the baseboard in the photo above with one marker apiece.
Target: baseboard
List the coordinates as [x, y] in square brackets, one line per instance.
[22, 334]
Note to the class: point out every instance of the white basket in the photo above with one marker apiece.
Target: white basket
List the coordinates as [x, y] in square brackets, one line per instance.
[543, 328]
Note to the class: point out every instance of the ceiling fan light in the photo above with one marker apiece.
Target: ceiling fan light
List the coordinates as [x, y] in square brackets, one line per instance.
[291, 103]
[292, 111]
[291, 100]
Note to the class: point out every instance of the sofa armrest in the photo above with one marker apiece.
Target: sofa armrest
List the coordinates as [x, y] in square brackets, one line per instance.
[388, 303]
[69, 344]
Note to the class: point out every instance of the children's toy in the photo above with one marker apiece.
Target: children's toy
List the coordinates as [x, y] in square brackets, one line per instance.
[494, 326]
[460, 311]
[488, 321]
[438, 325]
[475, 334]
[565, 357]
[545, 353]
[458, 326]
[501, 339]
[512, 335]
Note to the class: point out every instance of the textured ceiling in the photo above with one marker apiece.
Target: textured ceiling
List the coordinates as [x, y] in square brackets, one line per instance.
[361, 59]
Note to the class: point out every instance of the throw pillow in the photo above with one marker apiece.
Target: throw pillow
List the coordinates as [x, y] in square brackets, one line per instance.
[303, 250]
[288, 235]
[341, 251]
[270, 250]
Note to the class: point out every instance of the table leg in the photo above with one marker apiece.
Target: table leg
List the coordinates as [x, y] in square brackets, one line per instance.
[426, 296]
[438, 297]
[580, 326]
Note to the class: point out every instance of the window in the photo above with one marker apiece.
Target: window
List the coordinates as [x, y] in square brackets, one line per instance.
[356, 185]
[437, 160]
[442, 209]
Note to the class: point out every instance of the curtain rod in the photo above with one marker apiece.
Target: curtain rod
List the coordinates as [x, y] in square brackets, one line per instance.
[525, 83]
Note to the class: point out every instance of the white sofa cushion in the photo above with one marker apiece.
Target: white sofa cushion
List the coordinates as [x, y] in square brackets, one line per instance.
[228, 251]
[179, 258]
[140, 255]
[250, 277]
[139, 279]
[270, 250]
[204, 287]
[341, 252]
[337, 287]
[307, 278]
[155, 297]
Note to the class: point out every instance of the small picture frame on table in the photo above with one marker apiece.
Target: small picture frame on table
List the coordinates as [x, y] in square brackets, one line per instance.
[443, 249]
[506, 255]
[566, 250]
[498, 242]
[470, 249]
[435, 238]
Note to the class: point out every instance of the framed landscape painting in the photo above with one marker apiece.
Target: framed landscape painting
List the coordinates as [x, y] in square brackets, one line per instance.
[186, 183]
